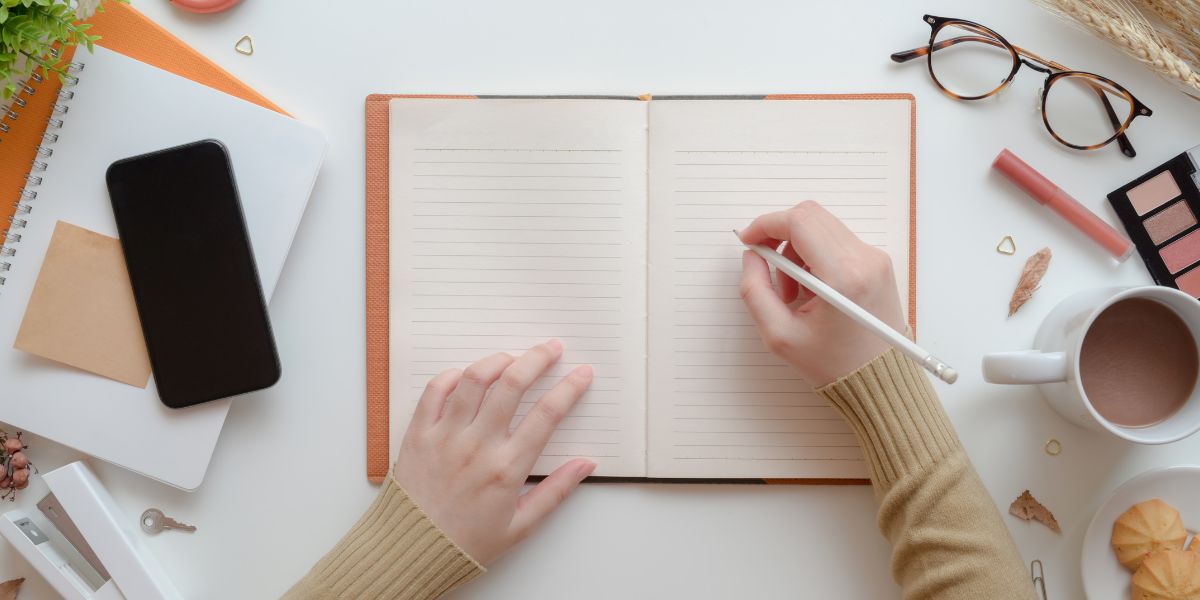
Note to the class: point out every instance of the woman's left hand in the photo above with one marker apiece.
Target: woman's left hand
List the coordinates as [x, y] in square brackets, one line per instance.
[461, 464]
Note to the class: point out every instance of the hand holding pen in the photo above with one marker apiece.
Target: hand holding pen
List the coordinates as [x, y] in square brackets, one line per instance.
[854, 314]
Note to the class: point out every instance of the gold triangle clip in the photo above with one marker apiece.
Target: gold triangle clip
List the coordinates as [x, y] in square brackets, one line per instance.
[1011, 244]
[238, 45]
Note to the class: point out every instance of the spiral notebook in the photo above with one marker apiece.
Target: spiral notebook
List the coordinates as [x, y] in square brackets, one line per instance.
[496, 223]
[114, 107]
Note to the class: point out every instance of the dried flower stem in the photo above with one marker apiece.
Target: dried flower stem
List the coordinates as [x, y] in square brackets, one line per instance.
[1031, 279]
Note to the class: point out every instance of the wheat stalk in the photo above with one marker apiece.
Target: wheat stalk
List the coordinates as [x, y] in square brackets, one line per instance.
[1181, 18]
[1171, 50]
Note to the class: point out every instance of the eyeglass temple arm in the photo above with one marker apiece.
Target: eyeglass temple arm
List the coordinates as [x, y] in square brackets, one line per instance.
[1122, 140]
[907, 55]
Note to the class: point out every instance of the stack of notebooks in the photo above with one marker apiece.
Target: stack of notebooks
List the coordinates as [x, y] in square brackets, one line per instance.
[142, 90]
[494, 224]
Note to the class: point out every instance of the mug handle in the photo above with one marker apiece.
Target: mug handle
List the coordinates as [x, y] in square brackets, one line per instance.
[1027, 366]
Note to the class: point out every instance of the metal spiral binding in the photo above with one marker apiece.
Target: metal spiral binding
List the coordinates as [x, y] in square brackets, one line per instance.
[9, 112]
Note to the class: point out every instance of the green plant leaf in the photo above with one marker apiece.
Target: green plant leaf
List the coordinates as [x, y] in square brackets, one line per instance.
[32, 28]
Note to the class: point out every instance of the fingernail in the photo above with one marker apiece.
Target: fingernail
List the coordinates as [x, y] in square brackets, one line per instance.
[586, 469]
[585, 371]
[557, 345]
[746, 259]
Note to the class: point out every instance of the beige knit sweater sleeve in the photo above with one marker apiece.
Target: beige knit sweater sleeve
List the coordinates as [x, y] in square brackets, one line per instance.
[394, 552]
[948, 538]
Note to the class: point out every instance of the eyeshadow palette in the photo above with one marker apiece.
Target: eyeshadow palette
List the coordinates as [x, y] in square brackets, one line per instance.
[1159, 211]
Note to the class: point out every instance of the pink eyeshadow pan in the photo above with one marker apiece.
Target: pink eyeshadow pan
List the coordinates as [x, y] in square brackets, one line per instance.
[1169, 223]
[1190, 283]
[1182, 252]
[1154, 193]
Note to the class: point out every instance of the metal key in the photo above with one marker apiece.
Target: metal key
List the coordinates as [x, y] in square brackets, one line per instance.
[154, 521]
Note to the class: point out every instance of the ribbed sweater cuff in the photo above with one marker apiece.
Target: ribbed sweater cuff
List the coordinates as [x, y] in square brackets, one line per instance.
[394, 552]
[896, 415]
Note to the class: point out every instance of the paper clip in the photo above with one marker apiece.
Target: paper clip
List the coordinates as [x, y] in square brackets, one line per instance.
[1012, 244]
[238, 45]
[1039, 578]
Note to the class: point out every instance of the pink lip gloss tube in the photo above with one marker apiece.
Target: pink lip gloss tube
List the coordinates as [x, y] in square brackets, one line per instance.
[1051, 196]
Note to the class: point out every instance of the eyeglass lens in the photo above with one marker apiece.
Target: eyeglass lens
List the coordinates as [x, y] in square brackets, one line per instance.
[1076, 112]
[969, 62]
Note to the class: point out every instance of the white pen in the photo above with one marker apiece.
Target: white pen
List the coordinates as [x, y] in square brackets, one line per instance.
[940, 369]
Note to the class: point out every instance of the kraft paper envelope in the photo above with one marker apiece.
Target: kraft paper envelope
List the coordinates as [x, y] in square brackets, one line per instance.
[82, 311]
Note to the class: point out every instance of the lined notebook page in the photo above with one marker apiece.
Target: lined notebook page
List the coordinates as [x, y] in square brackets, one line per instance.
[513, 222]
[720, 405]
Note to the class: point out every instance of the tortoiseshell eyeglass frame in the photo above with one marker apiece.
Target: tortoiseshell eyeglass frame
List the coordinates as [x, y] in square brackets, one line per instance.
[1054, 72]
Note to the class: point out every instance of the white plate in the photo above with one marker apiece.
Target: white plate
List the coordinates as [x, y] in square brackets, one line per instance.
[1103, 577]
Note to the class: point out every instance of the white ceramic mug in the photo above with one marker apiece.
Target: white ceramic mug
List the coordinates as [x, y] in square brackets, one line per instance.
[1054, 363]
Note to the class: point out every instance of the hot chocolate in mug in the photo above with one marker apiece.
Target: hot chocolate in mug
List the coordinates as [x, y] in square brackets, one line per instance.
[1121, 360]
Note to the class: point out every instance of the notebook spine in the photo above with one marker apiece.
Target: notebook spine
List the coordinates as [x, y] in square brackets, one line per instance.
[11, 230]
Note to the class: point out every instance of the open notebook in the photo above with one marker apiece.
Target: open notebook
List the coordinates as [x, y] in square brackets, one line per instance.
[606, 223]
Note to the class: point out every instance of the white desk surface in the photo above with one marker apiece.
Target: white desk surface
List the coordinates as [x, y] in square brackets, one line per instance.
[287, 479]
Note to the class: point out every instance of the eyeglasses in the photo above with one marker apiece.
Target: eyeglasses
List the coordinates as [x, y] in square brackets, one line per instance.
[1084, 112]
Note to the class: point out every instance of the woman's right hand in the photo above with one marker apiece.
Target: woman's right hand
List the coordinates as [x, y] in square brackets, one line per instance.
[816, 339]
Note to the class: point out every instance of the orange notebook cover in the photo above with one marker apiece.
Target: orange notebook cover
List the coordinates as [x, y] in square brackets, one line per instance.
[124, 30]
[377, 275]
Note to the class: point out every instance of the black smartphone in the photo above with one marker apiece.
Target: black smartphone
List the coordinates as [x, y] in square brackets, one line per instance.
[194, 278]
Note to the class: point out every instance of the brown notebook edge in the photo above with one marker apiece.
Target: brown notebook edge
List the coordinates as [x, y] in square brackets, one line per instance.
[377, 277]
[378, 273]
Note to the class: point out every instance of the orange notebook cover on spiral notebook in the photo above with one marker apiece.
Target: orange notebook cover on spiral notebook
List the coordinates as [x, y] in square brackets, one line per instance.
[605, 222]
